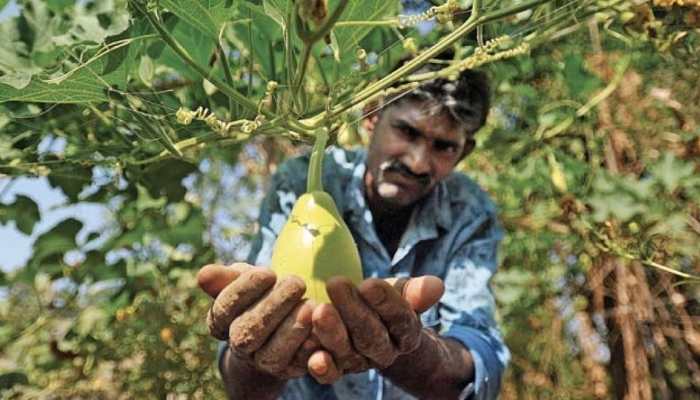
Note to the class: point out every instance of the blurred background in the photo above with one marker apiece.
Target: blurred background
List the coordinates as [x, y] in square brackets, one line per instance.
[592, 153]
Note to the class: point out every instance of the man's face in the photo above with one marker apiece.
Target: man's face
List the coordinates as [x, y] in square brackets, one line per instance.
[410, 151]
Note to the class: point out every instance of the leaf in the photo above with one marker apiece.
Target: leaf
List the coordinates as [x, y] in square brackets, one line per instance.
[71, 180]
[147, 70]
[579, 81]
[83, 86]
[23, 211]
[671, 171]
[618, 205]
[9, 379]
[165, 178]
[207, 16]
[260, 36]
[273, 10]
[58, 240]
[199, 46]
[349, 37]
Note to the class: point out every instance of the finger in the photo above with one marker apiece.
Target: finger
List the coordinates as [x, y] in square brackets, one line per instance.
[398, 317]
[331, 332]
[277, 353]
[237, 297]
[367, 332]
[322, 368]
[249, 331]
[421, 293]
[213, 278]
[301, 358]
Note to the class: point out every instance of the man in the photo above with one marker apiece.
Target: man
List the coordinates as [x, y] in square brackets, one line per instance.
[414, 219]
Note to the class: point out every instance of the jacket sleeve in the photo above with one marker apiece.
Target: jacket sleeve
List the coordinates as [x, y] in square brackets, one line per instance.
[467, 309]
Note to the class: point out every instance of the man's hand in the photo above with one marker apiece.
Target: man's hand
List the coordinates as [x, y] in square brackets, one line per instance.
[369, 326]
[265, 321]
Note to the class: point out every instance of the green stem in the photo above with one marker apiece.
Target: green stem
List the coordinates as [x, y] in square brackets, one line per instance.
[311, 39]
[474, 20]
[182, 53]
[313, 182]
[229, 78]
[305, 54]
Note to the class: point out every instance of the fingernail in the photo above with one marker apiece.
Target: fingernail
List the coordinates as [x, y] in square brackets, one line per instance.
[320, 369]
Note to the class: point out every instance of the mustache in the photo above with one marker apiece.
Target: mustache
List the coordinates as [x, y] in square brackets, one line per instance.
[398, 167]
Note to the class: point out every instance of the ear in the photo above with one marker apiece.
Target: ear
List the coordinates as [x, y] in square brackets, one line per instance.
[469, 145]
[370, 122]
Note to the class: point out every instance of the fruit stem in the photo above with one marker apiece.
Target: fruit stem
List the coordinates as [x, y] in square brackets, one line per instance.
[313, 182]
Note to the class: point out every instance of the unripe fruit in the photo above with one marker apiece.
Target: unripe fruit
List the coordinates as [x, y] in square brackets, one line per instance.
[315, 244]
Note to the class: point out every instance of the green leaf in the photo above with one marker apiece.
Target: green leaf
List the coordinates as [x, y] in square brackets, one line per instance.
[579, 81]
[671, 171]
[349, 37]
[618, 205]
[71, 180]
[147, 70]
[23, 211]
[83, 86]
[207, 16]
[10, 379]
[199, 46]
[274, 10]
[57, 241]
[165, 178]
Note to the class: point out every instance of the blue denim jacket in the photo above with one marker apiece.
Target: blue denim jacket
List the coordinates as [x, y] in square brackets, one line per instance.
[453, 234]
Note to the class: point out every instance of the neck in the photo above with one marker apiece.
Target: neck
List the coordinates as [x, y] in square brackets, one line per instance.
[390, 221]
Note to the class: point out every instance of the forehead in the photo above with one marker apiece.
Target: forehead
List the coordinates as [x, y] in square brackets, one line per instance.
[428, 117]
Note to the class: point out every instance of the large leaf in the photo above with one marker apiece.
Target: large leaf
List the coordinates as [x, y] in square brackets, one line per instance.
[207, 16]
[57, 241]
[260, 36]
[47, 34]
[82, 87]
[671, 171]
[23, 211]
[71, 180]
[348, 37]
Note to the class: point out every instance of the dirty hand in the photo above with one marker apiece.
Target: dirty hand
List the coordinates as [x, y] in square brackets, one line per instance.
[265, 321]
[369, 326]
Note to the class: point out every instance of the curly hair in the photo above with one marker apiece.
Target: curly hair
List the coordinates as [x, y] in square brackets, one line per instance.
[467, 99]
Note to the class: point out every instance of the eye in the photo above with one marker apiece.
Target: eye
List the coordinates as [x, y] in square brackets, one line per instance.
[406, 131]
[445, 147]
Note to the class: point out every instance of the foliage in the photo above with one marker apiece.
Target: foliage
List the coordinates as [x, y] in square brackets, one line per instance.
[591, 152]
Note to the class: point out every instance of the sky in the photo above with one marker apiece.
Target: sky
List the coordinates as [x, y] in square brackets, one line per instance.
[15, 247]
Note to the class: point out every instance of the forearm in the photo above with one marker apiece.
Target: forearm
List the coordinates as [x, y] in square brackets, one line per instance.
[243, 381]
[438, 369]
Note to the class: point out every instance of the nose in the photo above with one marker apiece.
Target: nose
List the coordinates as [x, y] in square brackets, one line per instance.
[419, 159]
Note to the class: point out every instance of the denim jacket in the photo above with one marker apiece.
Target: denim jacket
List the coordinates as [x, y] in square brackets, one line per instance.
[453, 233]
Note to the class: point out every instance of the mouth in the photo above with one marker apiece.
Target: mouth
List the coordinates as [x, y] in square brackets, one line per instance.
[397, 173]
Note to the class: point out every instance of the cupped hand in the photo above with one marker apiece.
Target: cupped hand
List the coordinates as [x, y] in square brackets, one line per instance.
[265, 321]
[370, 325]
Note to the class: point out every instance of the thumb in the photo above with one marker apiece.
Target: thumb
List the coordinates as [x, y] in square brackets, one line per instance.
[421, 292]
[213, 278]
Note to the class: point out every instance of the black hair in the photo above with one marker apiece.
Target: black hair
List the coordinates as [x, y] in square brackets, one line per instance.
[467, 99]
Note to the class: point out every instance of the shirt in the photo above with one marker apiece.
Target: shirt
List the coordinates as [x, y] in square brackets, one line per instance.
[453, 234]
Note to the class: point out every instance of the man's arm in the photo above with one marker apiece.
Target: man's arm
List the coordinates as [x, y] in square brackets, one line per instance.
[440, 368]
[243, 381]
[465, 357]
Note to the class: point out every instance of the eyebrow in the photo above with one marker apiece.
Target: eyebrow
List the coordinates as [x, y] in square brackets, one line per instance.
[403, 124]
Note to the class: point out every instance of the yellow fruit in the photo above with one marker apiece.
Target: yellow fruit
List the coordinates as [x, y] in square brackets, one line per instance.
[315, 244]
[167, 335]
